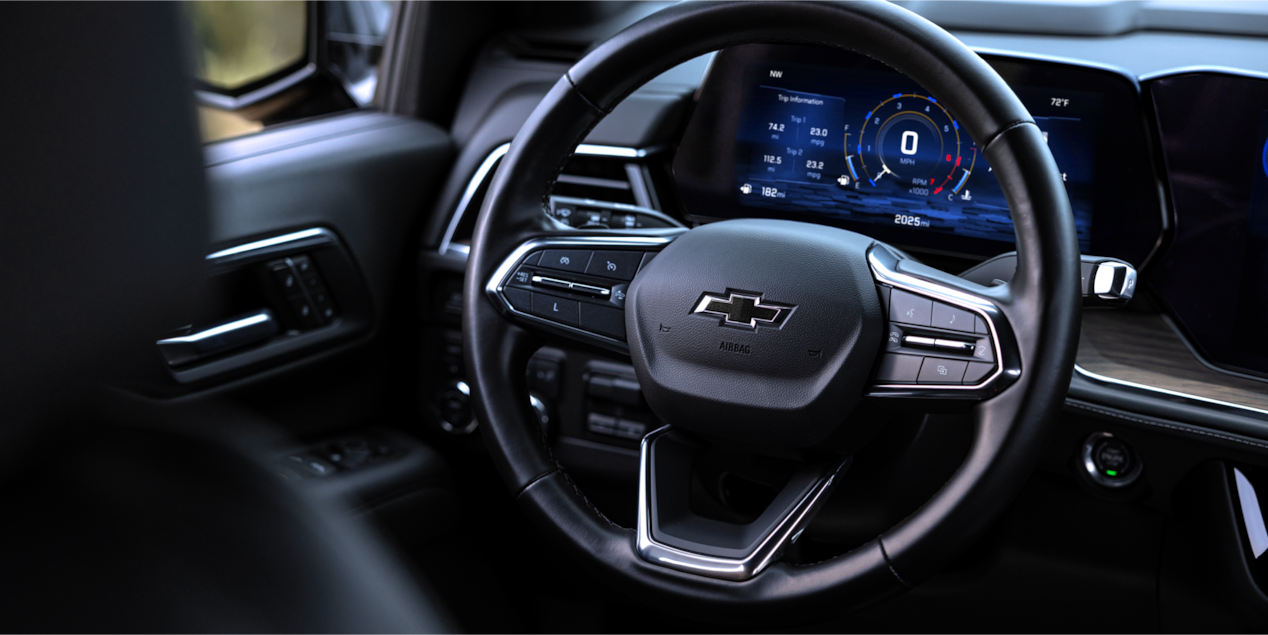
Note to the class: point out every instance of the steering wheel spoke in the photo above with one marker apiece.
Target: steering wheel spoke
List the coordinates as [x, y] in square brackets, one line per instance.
[671, 534]
[945, 338]
[575, 284]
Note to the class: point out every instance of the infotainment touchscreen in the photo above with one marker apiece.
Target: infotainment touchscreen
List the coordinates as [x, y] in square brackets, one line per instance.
[873, 147]
[1213, 277]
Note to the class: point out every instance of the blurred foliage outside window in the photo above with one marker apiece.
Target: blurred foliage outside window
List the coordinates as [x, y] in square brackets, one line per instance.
[241, 47]
[242, 42]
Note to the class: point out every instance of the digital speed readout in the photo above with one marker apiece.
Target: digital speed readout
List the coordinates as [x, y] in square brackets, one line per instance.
[872, 147]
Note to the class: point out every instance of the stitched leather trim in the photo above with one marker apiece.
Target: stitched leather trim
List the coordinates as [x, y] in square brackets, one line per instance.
[1175, 427]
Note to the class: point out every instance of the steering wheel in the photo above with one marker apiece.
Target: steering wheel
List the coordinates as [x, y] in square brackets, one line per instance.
[767, 333]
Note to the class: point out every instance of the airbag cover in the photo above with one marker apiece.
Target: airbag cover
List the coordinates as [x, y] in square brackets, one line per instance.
[760, 331]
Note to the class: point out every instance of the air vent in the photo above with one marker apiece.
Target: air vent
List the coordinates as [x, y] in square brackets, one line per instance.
[599, 178]
[607, 179]
[546, 49]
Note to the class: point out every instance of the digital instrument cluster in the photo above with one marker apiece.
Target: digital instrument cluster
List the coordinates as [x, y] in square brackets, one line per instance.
[872, 147]
[827, 136]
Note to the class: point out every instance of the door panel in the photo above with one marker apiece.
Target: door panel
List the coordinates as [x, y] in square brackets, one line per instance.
[365, 175]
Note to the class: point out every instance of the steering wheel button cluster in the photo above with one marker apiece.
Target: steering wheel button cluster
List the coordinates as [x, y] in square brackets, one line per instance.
[621, 265]
[899, 369]
[949, 317]
[602, 320]
[555, 309]
[936, 370]
[519, 299]
[976, 372]
[910, 308]
[574, 260]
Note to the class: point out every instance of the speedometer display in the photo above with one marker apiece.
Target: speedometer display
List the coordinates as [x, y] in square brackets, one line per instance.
[906, 137]
[872, 147]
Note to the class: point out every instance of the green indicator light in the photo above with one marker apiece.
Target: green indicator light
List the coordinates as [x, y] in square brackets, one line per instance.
[1111, 472]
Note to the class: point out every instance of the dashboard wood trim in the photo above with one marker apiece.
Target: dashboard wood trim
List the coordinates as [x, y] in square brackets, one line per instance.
[1142, 348]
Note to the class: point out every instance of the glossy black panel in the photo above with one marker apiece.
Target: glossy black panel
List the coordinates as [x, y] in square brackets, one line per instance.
[1214, 276]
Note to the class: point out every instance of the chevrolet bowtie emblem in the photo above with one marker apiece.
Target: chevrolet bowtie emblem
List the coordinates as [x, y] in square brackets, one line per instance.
[743, 309]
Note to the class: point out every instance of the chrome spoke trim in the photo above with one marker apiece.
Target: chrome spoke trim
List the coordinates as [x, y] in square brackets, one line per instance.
[786, 531]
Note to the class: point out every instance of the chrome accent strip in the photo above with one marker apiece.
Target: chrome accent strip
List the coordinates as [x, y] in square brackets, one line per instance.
[185, 349]
[314, 236]
[1131, 384]
[615, 151]
[1251, 514]
[1008, 367]
[593, 181]
[497, 282]
[734, 569]
[473, 186]
[482, 172]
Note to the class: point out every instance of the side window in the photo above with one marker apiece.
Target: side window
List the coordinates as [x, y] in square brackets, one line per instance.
[268, 62]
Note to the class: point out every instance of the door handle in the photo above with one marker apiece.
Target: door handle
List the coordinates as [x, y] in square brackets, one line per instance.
[218, 338]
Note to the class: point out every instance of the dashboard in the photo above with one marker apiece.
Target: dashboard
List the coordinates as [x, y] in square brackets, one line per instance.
[816, 134]
[1166, 168]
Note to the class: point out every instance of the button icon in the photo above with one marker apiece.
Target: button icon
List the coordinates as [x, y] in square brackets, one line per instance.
[942, 370]
[521, 276]
[894, 337]
[611, 266]
[564, 260]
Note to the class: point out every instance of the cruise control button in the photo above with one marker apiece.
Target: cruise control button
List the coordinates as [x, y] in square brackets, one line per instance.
[565, 259]
[941, 371]
[523, 276]
[909, 308]
[976, 372]
[603, 320]
[555, 309]
[621, 265]
[899, 369]
[982, 351]
[617, 296]
[949, 317]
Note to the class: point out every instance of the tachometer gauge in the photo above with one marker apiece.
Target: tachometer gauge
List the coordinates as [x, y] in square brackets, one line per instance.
[911, 142]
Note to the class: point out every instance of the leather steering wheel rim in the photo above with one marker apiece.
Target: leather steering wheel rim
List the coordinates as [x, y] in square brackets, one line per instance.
[1042, 301]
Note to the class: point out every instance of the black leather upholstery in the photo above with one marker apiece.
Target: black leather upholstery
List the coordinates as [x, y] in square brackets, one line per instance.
[1043, 304]
[118, 516]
